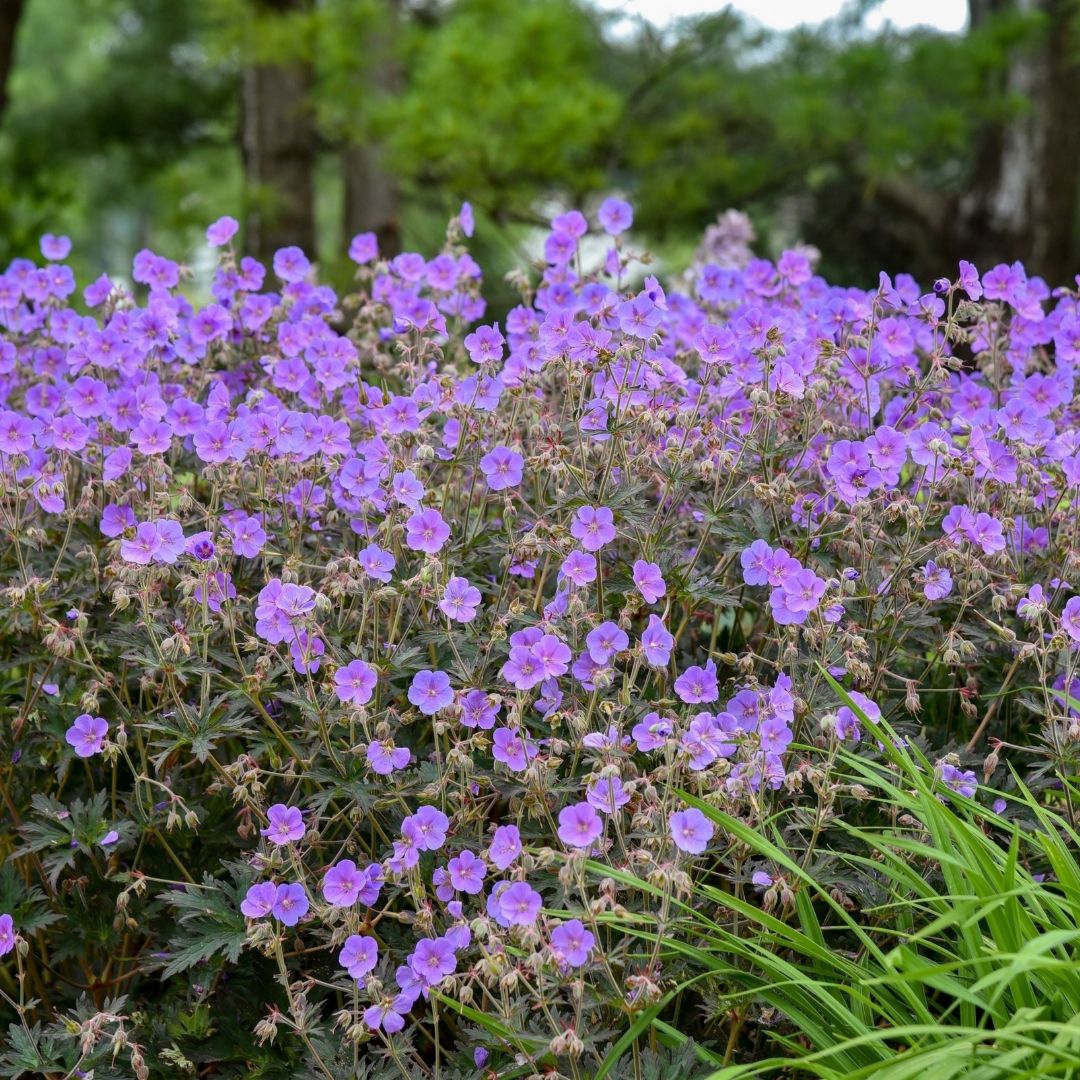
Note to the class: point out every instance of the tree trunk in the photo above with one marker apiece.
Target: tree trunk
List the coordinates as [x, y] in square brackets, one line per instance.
[278, 148]
[372, 196]
[1023, 201]
[10, 13]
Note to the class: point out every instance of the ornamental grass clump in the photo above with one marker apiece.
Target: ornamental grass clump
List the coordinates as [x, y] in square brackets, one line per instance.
[394, 691]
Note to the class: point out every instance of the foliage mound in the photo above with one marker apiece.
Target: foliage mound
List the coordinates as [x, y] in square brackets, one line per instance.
[590, 693]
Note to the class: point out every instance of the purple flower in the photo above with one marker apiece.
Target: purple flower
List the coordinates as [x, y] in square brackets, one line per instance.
[385, 758]
[579, 568]
[505, 846]
[359, 955]
[248, 536]
[690, 830]
[649, 581]
[697, 684]
[222, 231]
[847, 720]
[519, 904]
[115, 519]
[344, 883]
[657, 643]
[593, 527]
[512, 749]
[467, 872]
[355, 682]
[480, 1057]
[607, 794]
[502, 468]
[290, 904]
[376, 563]
[1070, 619]
[459, 600]
[388, 1014]
[426, 829]
[579, 825]
[468, 224]
[86, 736]
[652, 732]
[485, 345]
[606, 641]
[426, 531]
[432, 960]
[937, 581]
[364, 248]
[615, 216]
[144, 546]
[961, 781]
[430, 691]
[7, 934]
[571, 943]
[259, 900]
[291, 264]
[286, 824]
[55, 247]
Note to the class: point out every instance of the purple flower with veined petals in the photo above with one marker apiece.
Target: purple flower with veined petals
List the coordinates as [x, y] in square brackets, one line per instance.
[657, 643]
[248, 536]
[432, 960]
[606, 641]
[384, 757]
[7, 934]
[290, 904]
[86, 736]
[505, 846]
[593, 527]
[553, 656]
[144, 546]
[652, 732]
[426, 829]
[571, 943]
[698, 684]
[376, 563]
[430, 691]
[426, 531]
[467, 872]
[1070, 618]
[286, 824]
[359, 955]
[579, 568]
[607, 794]
[459, 600]
[649, 581]
[389, 1013]
[344, 883]
[937, 581]
[579, 825]
[485, 345]
[962, 781]
[690, 830]
[520, 904]
[502, 468]
[355, 682]
[259, 900]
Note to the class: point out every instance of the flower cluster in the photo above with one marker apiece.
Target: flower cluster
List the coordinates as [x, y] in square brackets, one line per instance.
[423, 619]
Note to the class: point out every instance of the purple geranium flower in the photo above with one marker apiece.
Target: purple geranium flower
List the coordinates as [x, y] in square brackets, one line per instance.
[593, 527]
[571, 943]
[579, 825]
[355, 682]
[690, 830]
[86, 736]
[430, 691]
[426, 531]
[286, 824]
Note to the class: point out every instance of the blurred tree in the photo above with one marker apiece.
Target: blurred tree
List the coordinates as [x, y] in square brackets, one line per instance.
[278, 142]
[10, 13]
[1023, 193]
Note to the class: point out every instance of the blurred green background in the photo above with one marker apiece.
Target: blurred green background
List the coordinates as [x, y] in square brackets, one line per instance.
[131, 123]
